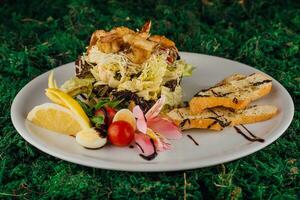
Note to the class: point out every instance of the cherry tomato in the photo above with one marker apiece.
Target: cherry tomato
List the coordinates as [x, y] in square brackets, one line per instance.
[110, 113]
[120, 133]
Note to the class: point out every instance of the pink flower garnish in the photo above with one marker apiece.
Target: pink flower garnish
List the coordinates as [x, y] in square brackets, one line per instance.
[165, 128]
[144, 144]
[160, 129]
[140, 119]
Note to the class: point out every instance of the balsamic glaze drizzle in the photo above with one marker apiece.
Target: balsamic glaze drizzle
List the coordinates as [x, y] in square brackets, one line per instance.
[182, 124]
[214, 122]
[261, 139]
[211, 110]
[196, 143]
[152, 156]
[218, 119]
[140, 147]
[224, 123]
[254, 138]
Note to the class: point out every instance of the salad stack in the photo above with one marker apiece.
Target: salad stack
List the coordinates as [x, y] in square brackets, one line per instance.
[130, 65]
[123, 83]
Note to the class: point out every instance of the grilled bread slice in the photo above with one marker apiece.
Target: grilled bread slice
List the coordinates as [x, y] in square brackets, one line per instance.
[220, 117]
[235, 92]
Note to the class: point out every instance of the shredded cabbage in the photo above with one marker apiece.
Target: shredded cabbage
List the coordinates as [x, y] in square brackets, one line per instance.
[173, 98]
[146, 80]
[187, 69]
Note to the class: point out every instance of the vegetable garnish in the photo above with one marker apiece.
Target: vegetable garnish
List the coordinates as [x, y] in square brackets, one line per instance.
[120, 133]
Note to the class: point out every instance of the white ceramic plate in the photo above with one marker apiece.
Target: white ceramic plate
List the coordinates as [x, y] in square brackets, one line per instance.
[214, 147]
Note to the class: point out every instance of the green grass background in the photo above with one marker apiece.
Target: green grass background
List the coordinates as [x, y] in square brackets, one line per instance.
[38, 36]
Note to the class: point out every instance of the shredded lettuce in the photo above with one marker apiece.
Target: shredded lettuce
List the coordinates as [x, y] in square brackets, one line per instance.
[173, 98]
[146, 80]
[147, 85]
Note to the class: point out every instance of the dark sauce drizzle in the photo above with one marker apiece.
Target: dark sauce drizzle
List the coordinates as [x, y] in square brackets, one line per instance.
[214, 122]
[182, 124]
[131, 146]
[140, 147]
[152, 156]
[224, 123]
[196, 143]
[254, 138]
[259, 139]
[218, 119]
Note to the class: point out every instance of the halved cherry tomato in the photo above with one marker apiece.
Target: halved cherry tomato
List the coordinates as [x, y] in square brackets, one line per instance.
[110, 113]
[120, 133]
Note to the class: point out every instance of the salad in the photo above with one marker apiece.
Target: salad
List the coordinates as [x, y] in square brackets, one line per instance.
[130, 65]
[124, 83]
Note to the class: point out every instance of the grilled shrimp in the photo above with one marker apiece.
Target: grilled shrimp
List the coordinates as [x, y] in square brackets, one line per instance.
[109, 42]
[162, 40]
[145, 30]
[140, 48]
[166, 44]
[137, 46]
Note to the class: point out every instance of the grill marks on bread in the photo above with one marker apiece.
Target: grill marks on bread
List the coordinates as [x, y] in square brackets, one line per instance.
[220, 117]
[227, 104]
[235, 92]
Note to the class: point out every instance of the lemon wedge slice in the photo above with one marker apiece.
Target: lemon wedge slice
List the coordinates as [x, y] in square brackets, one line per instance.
[51, 81]
[52, 84]
[56, 118]
[66, 100]
[54, 98]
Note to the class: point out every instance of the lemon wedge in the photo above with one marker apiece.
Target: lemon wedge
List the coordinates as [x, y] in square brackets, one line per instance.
[51, 81]
[54, 98]
[56, 118]
[66, 100]
[52, 84]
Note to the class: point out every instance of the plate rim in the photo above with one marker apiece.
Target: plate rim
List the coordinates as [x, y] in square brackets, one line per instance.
[148, 167]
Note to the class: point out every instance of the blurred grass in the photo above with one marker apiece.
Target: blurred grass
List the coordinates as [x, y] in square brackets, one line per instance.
[37, 36]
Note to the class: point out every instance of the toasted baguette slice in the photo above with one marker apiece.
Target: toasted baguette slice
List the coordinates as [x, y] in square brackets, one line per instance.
[233, 77]
[220, 117]
[235, 92]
